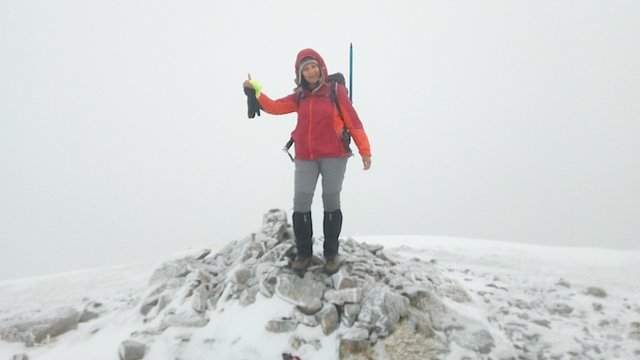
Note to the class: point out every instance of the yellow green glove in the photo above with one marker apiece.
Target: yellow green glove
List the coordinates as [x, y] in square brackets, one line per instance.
[256, 86]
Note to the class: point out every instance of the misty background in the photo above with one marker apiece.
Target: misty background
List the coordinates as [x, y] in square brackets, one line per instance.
[124, 135]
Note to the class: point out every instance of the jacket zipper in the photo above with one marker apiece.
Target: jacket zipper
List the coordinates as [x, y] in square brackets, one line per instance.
[310, 122]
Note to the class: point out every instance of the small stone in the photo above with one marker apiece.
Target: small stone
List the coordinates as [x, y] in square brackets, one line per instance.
[170, 270]
[340, 297]
[242, 275]
[281, 325]
[480, 341]
[268, 285]
[132, 350]
[88, 315]
[304, 319]
[561, 309]
[188, 318]
[356, 334]
[420, 322]
[297, 342]
[341, 280]
[20, 357]
[596, 291]
[542, 322]
[634, 333]
[248, 296]
[201, 254]
[199, 299]
[306, 293]
[329, 319]
[350, 348]
[350, 314]
[274, 224]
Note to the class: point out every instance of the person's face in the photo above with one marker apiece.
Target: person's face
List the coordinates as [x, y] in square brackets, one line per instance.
[311, 73]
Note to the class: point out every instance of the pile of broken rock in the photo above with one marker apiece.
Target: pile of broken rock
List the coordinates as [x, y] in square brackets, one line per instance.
[379, 305]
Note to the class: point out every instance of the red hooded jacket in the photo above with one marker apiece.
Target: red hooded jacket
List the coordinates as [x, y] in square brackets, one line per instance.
[319, 128]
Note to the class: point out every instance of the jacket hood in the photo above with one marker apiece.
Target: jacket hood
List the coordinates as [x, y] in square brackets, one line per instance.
[310, 53]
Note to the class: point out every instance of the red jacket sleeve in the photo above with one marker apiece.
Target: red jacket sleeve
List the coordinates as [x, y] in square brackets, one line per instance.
[281, 106]
[352, 122]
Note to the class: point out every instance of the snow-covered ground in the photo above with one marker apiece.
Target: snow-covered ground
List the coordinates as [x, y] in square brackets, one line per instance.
[574, 302]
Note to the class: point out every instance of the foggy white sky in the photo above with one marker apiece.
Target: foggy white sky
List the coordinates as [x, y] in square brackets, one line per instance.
[124, 137]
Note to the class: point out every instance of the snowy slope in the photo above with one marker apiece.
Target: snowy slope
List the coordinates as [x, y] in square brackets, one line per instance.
[572, 302]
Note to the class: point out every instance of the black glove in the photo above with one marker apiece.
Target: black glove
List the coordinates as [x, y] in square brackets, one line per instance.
[253, 106]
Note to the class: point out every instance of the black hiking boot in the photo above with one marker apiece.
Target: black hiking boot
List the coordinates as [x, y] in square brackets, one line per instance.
[300, 265]
[332, 265]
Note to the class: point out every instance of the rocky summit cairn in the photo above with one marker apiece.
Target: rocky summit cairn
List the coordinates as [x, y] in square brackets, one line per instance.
[376, 304]
[381, 304]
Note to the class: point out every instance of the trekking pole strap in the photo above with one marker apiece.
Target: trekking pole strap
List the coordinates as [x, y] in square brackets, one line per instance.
[286, 148]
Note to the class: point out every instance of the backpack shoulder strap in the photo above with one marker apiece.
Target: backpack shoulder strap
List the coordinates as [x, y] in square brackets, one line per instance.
[333, 93]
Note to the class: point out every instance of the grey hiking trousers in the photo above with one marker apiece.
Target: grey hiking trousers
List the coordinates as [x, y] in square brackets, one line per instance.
[306, 178]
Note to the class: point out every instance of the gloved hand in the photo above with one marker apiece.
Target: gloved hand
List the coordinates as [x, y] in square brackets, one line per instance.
[252, 90]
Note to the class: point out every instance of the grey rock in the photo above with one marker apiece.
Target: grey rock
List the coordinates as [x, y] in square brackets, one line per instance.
[442, 318]
[151, 300]
[201, 254]
[242, 275]
[455, 292]
[302, 318]
[202, 275]
[404, 343]
[420, 322]
[381, 310]
[395, 306]
[268, 285]
[87, 315]
[634, 332]
[349, 349]
[281, 325]
[342, 280]
[357, 334]
[90, 312]
[274, 224]
[480, 341]
[542, 322]
[350, 314]
[279, 252]
[35, 331]
[170, 270]
[252, 251]
[329, 319]
[373, 248]
[596, 291]
[560, 309]
[306, 293]
[214, 297]
[20, 357]
[400, 283]
[340, 297]
[297, 342]
[186, 319]
[248, 296]
[132, 350]
[199, 299]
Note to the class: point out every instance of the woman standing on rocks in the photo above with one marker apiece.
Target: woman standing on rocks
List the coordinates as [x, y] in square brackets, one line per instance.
[323, 115]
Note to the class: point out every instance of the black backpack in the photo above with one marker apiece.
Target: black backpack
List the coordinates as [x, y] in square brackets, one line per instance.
[335, 79]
